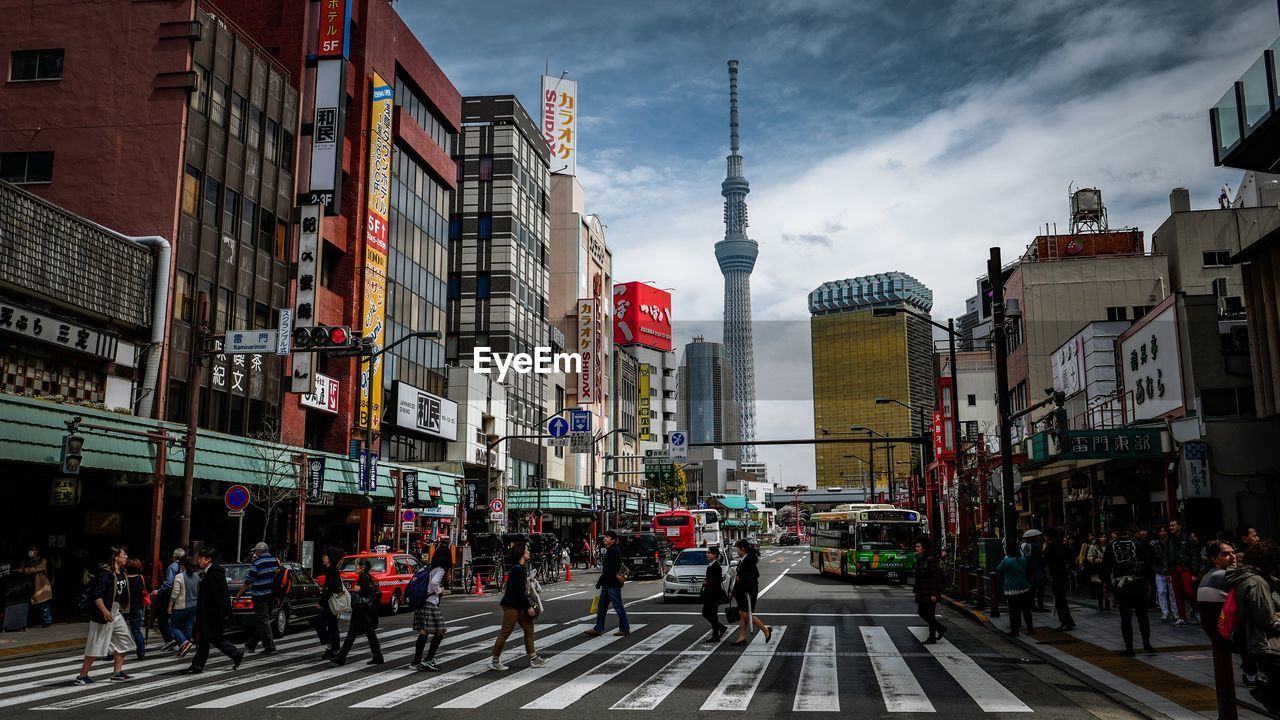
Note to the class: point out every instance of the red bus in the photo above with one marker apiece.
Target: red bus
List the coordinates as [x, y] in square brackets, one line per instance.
[679, 528]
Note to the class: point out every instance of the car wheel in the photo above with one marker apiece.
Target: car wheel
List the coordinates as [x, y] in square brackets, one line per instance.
[395, 603]
[281, 624]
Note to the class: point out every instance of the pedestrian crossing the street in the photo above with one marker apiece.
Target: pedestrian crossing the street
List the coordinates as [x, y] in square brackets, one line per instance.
[802, 667]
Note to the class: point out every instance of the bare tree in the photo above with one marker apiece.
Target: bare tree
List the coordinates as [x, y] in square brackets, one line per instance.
[277, 472]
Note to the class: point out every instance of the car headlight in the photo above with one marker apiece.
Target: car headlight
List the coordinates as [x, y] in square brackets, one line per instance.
[671, 578]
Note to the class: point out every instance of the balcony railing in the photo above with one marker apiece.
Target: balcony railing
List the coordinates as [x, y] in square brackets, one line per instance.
[1246, 133]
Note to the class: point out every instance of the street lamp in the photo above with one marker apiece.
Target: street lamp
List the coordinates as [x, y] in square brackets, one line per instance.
[871, 466]
[926, 447]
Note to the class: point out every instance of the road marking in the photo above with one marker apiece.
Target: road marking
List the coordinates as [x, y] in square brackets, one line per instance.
[739, 684]
[561, 597]
[818, 673]
[137, 688]
[990, 695]
[592, 616]
[416, 690]
[252, 694]
[362, 683]
[510, 683]
[469, 617]
[577, 688]
[898, 685]
[650, 693]
[769, 587]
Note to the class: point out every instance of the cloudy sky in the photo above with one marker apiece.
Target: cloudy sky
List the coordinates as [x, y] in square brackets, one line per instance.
[909, 135]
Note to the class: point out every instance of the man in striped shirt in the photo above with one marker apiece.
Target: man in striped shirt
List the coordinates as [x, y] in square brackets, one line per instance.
[259, 582]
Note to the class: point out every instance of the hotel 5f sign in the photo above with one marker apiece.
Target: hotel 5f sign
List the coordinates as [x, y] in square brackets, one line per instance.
[1152, 365]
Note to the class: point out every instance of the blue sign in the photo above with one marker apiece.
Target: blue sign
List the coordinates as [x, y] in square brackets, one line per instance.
[368, 471]
[702, 504]
[558, 427]
[677, 439]
[580, 421]
[237, 498]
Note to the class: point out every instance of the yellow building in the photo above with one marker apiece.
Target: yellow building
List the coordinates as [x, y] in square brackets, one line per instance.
[861, 356]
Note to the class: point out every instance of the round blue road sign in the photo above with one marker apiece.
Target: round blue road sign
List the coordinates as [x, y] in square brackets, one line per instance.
[237, 497]
[558, 427]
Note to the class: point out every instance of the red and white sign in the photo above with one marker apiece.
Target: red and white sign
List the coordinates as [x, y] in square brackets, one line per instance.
[335, 28]
[641, 316]
[497, 505]
[587, 346]
[560, 123]
[937, 433]
[325, 396]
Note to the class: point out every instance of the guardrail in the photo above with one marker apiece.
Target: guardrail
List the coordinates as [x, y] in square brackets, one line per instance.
[977, 589]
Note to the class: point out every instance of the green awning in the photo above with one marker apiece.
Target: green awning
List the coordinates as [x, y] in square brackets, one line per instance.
[548, 499]
[733, 523]
[735, 502]
[31, 431]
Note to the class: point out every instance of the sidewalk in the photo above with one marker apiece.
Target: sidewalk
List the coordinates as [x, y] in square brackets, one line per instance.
[39, 640]
[1176, 682]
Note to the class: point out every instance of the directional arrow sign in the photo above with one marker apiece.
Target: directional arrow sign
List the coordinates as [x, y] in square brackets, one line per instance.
[679, 447]
[558, 427]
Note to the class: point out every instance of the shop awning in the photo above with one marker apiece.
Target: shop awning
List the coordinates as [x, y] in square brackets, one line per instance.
[31, 431]
[735, 502]
[734, 523]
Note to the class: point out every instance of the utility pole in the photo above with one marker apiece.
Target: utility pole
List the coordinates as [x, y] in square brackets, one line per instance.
[998, 338]
[199, 334]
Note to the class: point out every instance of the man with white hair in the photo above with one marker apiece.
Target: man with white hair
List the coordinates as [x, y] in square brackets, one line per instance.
[161, 604]
[260, 583]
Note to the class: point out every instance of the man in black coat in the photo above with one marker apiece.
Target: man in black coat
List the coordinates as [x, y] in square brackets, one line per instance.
[213, 607]
[1059, 558]
[610, 584]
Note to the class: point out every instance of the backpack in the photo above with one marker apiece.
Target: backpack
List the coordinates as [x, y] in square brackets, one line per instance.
[1229, 626]
[415, 595]
[279, 582]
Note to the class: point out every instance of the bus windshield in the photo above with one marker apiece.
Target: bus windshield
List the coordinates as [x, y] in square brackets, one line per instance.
[887, 536]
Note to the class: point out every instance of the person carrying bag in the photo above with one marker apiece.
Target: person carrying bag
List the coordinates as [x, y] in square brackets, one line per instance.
[713, 596]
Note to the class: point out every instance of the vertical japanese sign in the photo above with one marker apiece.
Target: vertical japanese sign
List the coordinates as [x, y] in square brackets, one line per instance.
[315, 479]
[303, 378]
[335, 29]
[374, 309]
[327, 129]
[1195, 470]
[409, 491]
[1152, 367]
[643, 407]
[586, 346]
[560, 123]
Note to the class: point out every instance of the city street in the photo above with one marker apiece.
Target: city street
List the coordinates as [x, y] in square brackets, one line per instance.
[837, 648]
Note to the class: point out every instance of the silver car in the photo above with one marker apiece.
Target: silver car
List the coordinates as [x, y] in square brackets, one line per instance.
[684, 579]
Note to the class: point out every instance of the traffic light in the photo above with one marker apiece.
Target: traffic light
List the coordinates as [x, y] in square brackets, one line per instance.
[325, 338]
[72, 455]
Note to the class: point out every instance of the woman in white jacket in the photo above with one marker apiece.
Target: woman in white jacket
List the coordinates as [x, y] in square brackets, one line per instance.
[427, 620]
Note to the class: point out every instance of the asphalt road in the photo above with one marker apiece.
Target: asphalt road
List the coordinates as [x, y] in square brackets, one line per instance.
[837, 648]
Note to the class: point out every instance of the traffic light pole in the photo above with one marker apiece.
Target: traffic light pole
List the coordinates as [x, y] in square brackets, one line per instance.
[998, 335]
[199, 334]
[367, 352]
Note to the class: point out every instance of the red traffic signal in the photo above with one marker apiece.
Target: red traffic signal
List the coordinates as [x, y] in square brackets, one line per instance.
[324, 337]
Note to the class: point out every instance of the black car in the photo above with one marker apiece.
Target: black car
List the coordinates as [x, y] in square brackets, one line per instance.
[645, 553]
[788, 538]
[297, 601]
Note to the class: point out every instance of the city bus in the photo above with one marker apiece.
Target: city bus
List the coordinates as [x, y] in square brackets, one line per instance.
[688, 528]
[866, 541]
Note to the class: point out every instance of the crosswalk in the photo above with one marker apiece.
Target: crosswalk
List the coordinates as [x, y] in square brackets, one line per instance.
[802, 668]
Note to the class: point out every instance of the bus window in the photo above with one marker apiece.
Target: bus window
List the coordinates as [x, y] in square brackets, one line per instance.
[674, 520]
[887, 536]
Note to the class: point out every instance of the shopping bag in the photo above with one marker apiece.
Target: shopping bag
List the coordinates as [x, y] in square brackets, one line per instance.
[595, 604]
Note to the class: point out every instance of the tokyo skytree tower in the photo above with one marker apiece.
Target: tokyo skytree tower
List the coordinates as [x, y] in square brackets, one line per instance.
[736, 255]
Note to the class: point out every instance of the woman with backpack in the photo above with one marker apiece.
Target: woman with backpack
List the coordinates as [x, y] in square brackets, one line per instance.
[139, 601]
[427, 620]
[1255, 629]
[928, 589]
[364, 615]
[183, 599]
[518, 608]
[105, 602]
[326, 621]
[1016, 581]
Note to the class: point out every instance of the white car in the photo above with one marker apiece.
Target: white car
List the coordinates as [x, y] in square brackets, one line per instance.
[684, 579]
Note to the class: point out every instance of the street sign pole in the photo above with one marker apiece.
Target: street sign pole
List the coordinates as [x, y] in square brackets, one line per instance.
[239, 535]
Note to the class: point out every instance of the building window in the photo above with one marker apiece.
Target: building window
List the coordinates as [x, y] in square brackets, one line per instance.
[255, 126]
[231, 213]
[455, 227]
[286, 151]
[27, 167]
[191, 191]
[218, 101]
[455, 286]
[183, 285]
[239, 108]
[1140, 311]
[973, 400]
[331, 257]
[35, 65]
[273, 141]
[249, 217]
[484, 227]
[1216, 258]
[482, 286]
[212, 196]
[1117, 313]
[266, 230]
[1220, 287]
[282, 239]
[486, 167]
[200, 95]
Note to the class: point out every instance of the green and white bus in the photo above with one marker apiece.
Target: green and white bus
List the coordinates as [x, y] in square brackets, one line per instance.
[866, 540]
